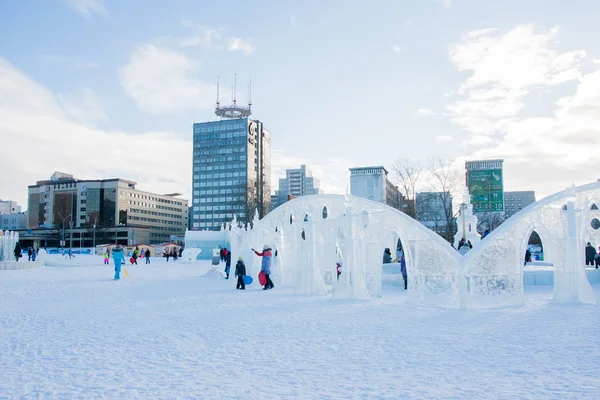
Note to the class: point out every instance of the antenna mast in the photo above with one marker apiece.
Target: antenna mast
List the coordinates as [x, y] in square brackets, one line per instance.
[234, 111]
[218, 104]
[234, 89]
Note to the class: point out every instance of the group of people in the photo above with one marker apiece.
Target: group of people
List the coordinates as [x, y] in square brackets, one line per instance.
[240, 267]
[591, 256]
[174, 253]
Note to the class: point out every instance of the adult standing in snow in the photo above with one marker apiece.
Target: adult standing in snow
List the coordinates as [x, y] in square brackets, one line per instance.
[487, 232]
[265, 265]
[167, 254]
[147, 256]
[527, 256]
[590, 254]
[118, 257]
[240, 272]
[227, 262]
[464, 246]
[403, 269]
[29, 253]
[17, 251]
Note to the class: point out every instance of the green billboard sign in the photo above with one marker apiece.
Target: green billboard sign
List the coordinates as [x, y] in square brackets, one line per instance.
[485, 187]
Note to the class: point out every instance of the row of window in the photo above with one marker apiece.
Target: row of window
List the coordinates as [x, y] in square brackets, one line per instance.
[220, 143]
[220, 127]
[219, 160]
[211, 192]
[220, 151]
[230, 166]
[230, 207]
[156, 221]
[176, 216]
[151, 198]
[223, 199]
[232, 182]
[221, 175]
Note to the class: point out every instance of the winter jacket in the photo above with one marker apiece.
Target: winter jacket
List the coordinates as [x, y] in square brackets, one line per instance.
[136, 253]
[228, 259]
[590, 253]
[403, 265]
[240, 269]
[17, 251]
[118, 256]
[265, 266]
[387, 258]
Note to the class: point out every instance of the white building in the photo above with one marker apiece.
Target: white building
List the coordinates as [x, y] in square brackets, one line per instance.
[14, 221]
[372, 183]
[9, 207]
[516, 201]
[297, 182]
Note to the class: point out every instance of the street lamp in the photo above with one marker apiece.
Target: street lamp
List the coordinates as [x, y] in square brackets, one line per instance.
[71, 223]
[63, 230]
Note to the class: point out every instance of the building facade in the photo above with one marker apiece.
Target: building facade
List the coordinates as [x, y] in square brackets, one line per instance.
[13, 222]
[372, 183]
[231, 172]
[65, 202]
[9, 207]
[297, 182]
[516, 201]
[485, 181]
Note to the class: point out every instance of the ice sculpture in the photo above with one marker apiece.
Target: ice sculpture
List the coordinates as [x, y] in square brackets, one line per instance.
[8, 241]
[467, 222]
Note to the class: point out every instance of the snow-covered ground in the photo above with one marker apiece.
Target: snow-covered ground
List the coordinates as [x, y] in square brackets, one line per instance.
[72, 332]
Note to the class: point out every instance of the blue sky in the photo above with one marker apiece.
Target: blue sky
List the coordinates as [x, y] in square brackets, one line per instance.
[105, 88]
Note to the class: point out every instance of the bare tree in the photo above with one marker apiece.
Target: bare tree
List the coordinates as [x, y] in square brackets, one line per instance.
[445, 182]
[406, 173]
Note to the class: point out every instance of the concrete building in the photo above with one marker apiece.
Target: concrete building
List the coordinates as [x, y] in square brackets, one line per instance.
[297, 182]
[516, 201]
[372, 183]
[103, 205]
[9, 207]
[231, 171]
[485, 181]
[13, 222]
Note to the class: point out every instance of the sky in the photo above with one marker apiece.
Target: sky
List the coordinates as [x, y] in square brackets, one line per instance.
[111, 88]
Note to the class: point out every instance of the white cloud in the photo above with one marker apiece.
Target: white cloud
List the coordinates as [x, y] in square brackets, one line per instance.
[425, 112]
[447, 3]
[397, 49]
[45, 139]
[87, 7]
[83, 107]
[205, 36]
[165, 81]
[239, 44]
[545, 151]
[443, 139]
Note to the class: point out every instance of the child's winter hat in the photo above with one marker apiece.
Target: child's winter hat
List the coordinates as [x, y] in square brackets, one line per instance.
[266, 247]
[240, 259]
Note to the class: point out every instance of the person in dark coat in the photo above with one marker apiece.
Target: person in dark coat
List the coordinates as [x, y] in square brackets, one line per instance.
[527, 256]
[387, 256]
[168, 254]
[590, 254]
[147, 256]
[240, 272]
[29, 253]
[227, 263]
[403, 269]
[17, 251]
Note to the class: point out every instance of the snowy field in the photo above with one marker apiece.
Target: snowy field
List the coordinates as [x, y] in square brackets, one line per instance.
[72, 332]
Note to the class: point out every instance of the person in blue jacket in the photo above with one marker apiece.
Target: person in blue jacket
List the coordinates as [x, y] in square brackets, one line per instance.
[265, 266]
[118, 257]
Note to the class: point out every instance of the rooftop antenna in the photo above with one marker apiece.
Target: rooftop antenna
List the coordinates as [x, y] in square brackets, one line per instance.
[250, 94]
[218, 104]
[234, 111]
[234, 89]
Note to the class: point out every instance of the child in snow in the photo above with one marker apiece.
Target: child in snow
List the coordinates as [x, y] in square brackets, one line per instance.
[118, 258]
[338, 265]
[106, 258]
[240, 272]
[265, 266]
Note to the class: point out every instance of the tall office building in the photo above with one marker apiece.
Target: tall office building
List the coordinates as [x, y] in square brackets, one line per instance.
[516, 201]
[231, 168]
[372, 183]
[485, 181]
[297, 182]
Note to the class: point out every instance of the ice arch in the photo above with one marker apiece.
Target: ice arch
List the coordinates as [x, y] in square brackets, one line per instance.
[354, 232]
[494, 268]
